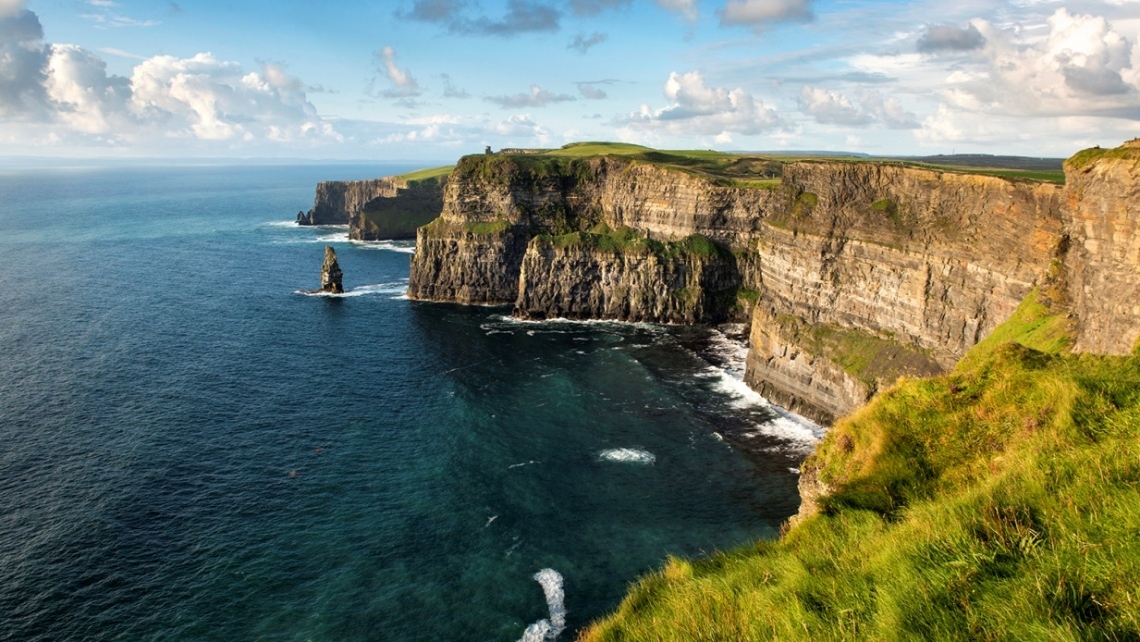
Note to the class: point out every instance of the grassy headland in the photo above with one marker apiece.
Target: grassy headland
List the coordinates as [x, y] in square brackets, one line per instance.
[998, 502]
[758, 171]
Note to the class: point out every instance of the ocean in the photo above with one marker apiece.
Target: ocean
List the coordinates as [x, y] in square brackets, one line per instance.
[193, 449]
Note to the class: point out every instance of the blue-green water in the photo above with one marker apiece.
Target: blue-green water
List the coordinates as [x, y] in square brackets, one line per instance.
[191, 450]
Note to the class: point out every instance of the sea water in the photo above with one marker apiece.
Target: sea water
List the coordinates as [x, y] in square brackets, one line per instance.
[192, 449]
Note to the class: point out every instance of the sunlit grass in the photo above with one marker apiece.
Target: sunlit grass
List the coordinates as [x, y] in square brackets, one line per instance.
[998, 502]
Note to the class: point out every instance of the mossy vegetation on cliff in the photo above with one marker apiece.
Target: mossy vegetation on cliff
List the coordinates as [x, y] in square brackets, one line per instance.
[624, 239]
[997, 502]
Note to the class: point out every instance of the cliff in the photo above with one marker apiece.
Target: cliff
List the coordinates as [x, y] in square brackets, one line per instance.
[337, 201]
[927, 261]
[415, 203]
[1104, 262]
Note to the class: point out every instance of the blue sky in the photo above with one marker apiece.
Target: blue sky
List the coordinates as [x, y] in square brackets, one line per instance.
[433, 79]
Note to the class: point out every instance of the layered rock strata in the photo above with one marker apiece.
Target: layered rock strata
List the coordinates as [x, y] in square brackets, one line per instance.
[1104, 261]
[415, 203]
[337, 201]
[859, 272]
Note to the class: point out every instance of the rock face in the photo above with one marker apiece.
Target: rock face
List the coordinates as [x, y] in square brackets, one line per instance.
[1103, 199]
[331, 276]
[415, 203]
[860, 272]
[337, 201]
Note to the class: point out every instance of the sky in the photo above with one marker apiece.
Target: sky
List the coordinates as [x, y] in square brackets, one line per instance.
[435, 79]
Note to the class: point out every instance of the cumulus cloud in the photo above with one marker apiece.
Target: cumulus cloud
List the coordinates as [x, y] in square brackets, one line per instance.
[830, 107]
[939, 38]
[697, 109]
[758, 14]
[403, 84]
[538, 97]
[23, 64]
[582, 42]
[1082, 67]
[66, 90]
[10, 8]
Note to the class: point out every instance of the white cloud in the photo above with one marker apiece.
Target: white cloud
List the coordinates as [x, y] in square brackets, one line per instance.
[538, 97]
[1081, 67]
[403, 84]
[829, 107]
[10, 8]
[697, 109]
[758, 14]
[832, 108]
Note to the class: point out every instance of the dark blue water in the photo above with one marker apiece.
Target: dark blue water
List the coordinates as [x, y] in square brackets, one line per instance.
[191, 450]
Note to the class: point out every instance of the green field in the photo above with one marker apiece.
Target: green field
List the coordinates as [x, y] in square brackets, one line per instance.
[998, 502]
[424, 174]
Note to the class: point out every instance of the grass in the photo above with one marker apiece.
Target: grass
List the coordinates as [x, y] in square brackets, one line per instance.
[1086, 157]
[486, 228]
[624, 239]
[998, 502]
[430, 172]
[870, 358]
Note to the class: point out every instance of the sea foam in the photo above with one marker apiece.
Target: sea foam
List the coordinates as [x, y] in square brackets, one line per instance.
[395, 287]
[549, 629]
[627, 456]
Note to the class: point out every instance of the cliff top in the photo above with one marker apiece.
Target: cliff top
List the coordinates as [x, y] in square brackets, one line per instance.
[424, 174]
[758, 170]
[1128, 151]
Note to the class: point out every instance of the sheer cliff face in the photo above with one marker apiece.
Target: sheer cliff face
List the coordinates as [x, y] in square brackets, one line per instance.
[486, 245]
[337, 201]
[931, 260]
[1104, 261]
[936, 259]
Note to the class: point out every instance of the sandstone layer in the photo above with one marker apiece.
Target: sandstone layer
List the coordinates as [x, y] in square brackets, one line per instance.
[1104, 262]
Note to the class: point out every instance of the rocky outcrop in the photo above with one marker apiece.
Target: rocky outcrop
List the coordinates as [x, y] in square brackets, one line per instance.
[1103, 193]
[331, 276]
[337, 201]
[578, 280]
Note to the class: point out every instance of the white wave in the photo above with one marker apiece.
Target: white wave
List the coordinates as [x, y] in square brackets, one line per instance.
[489, 520]
[525, 463]
[628, 455]
[396, 287]
[282, 224]
[405, 247]
[337, 237]
[792, 428]
[549, 629]
[733, 387]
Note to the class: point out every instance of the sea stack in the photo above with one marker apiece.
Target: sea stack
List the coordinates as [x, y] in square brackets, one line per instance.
[330, 273]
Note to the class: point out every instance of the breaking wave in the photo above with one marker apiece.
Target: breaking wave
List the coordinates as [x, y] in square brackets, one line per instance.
[549, 629]
[395, 287]
[627, 456]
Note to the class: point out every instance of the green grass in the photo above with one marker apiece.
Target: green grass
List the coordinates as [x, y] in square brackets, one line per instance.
[1086, 157]
[430, 172]
[624, 239]
[486, 228]
[998, 502]
[870, 358]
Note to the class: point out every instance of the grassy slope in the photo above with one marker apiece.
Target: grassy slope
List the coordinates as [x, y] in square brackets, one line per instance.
[746, 170]
[999, 501]
[430, 172]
